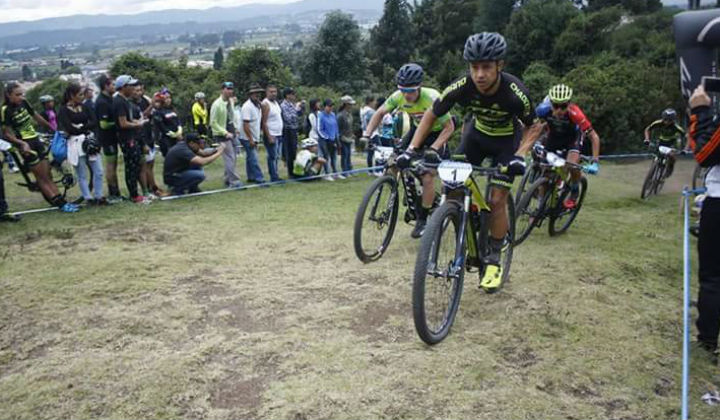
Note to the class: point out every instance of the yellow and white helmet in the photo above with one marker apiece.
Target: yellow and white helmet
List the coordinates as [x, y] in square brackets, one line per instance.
[560, 94]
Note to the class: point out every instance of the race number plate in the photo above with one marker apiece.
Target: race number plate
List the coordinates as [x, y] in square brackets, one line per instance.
[555, 160]
[383, 153]
[454, 172]
[665, 150]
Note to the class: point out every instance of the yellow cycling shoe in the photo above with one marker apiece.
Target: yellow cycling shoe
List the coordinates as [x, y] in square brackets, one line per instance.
[491, 279]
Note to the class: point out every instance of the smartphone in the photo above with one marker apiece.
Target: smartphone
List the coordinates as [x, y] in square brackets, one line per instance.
[711, 84]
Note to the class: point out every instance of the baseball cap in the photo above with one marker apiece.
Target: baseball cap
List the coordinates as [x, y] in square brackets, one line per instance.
[228, 85]
[125, 80]
[347, 99]
[328, 102]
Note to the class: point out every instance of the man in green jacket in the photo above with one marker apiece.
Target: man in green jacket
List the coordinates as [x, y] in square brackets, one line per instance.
[222, 117]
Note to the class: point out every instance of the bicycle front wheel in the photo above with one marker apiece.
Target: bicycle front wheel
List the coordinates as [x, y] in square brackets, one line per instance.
[375, 219]
[439, 274]
[562, 218]
[649, 184]
[530, 209]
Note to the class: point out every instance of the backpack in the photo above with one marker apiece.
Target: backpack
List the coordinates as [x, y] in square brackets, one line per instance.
[58, 147]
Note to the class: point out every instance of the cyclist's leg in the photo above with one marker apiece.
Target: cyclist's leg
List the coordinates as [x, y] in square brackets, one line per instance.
[40, 168]
[428, 195]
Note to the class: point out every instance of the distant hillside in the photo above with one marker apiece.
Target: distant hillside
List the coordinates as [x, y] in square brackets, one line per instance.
[9, 31]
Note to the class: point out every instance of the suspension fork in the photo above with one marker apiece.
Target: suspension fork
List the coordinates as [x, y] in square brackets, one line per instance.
[466, 236]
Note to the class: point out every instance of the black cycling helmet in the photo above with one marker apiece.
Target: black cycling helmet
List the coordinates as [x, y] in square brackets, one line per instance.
[485, 46]
[410, 75]
[669, 114]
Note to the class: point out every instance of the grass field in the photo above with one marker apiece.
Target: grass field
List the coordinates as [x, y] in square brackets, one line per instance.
[252, 304]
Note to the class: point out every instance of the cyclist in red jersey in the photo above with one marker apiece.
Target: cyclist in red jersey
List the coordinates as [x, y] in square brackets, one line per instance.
[566, 126]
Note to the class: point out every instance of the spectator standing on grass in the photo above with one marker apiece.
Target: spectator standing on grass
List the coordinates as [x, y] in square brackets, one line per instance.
[272, 126]
[78, 122]
[88, 95]
[292, 111]
[199, 114]
[223, 131]
[107, 134]
[366, 114]
[182, 169]
[49, 113]
[345, 126]
[147, 171]
[705, 134]
[166, 121]
[129, 121]
[329, 136]
[250, 121]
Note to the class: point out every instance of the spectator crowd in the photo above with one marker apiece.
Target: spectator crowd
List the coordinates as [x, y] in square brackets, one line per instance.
[122, 119]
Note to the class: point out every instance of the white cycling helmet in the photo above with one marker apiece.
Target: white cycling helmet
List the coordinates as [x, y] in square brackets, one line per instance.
[199, 95]
[307, 143]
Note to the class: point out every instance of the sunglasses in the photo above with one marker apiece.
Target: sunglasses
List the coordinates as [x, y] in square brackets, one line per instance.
[408, 90]
[560, 106]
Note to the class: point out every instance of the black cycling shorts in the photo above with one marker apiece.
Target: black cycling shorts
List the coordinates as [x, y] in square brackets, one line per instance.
[477, 147]
[431, 138]
[109, 143]
[38, 152]
[563, 145]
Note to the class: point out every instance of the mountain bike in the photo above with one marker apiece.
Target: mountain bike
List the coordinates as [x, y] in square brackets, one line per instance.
[377, 214]
[655, 178]
[60, 175]
[455, 240]
[545, 197]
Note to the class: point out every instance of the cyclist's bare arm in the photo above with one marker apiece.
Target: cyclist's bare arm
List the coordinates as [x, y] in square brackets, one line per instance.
[375, 121]
[42, 121]
[423, 129]
[444, 136]
[529, 135]
[10, 136]
[595, 139]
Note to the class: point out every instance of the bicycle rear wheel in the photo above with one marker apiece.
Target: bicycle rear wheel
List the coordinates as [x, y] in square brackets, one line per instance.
[649, 184]
[438, 278]
[530, 209]
[375, 219]
[562, 218]
[531, 175]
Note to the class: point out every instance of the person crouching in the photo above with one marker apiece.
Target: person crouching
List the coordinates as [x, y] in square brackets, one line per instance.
[307, 163]
[182, 170]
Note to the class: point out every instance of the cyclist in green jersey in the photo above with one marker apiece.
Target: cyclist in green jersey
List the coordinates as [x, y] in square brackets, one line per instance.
[502, 127]
[414, 99]
[669, 134]
[17, 119]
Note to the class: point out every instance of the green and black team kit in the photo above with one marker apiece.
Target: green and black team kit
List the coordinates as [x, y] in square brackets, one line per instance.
[667, 134]
[107, 130]
[494, 131]
[416, 110]
[20, 120]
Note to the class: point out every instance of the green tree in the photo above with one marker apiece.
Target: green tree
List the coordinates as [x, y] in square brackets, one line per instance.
[53, 87]
[586, 34]
[27, 73]
[335, 58]
[533, 29]
[538, 78]
[256, 65]
[391, 40]
[218, 59]
[493, 15]
[633, 6]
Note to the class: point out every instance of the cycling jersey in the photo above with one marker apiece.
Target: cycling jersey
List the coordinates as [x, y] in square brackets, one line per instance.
[107, 131]
[200, 118]
[416, 110]
[496, 115]
[20, 120]
[667, 133]
[303, 165]
[564, 132]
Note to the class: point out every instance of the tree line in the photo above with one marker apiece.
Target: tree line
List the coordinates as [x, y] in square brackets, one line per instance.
[617, 55]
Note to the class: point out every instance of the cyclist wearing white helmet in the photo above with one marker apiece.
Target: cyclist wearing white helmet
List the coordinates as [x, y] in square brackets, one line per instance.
[307, 162]
[566, 125]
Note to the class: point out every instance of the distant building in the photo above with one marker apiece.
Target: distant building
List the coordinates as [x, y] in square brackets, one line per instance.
[203, 64]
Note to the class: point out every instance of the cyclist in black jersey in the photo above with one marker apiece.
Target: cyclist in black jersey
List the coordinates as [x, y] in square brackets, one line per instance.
[502, 128]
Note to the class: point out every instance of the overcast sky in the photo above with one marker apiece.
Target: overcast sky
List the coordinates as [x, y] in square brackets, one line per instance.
[17, 10]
